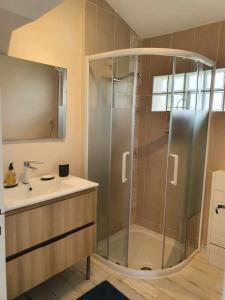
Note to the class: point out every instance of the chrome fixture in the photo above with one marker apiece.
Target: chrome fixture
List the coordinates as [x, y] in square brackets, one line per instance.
[27, 165]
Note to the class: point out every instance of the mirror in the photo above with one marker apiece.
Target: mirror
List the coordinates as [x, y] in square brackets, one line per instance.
[33, 98]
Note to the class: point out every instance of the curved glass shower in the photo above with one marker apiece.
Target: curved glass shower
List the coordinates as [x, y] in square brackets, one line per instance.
[147, 137]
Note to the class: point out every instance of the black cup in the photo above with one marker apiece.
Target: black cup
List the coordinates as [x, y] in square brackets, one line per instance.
[64, 170]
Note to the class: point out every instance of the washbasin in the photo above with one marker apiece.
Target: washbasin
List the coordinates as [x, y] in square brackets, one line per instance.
[39, 191]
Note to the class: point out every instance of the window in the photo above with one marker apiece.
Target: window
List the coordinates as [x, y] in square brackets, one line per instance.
[191, 91]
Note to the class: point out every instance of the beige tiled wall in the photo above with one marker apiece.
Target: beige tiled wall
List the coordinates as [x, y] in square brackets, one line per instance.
[208, 40]
[105, 29]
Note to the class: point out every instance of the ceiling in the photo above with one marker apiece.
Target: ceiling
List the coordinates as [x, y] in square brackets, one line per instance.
[31, 9]
[16, 13]
[157, 17]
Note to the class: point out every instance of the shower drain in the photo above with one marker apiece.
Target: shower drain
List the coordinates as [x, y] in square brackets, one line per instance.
[146, 269]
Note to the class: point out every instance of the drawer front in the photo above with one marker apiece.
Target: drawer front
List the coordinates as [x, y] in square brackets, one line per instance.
[29, 270]
[28, 228]
[218, 196]
[217, 256]
[217, 235]
[220, 181]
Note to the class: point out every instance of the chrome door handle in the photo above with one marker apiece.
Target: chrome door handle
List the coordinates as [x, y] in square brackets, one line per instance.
[124, 166]
[175, 169]
[219, 206]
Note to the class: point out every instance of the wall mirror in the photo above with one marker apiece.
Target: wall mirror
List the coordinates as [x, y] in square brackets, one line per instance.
[33, 100]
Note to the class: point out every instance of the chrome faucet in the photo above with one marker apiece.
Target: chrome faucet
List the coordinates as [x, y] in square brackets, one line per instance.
[27, 165]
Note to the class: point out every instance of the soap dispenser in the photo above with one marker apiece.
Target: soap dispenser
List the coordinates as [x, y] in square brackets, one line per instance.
[10, 179]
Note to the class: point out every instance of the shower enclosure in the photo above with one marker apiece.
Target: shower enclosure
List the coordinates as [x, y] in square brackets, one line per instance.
[148, 115]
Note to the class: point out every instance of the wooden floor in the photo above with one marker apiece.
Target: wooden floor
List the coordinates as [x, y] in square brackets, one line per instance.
[198, 280]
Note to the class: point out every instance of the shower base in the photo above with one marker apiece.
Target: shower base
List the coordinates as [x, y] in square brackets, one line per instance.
[145, 253]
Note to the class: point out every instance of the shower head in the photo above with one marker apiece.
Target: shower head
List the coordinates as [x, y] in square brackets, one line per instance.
[117, 79]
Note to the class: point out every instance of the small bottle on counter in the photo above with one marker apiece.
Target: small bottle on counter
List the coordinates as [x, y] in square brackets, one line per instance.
[10, 179]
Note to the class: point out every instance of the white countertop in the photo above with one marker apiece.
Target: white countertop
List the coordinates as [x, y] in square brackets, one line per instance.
[21, 196]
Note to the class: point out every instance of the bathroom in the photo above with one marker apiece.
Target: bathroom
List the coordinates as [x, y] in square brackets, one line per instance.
[119, 115]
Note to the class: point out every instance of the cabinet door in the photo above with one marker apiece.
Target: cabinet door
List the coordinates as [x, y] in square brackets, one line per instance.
[34, 226]
[2, 225]
[2, 259]
[33, 268]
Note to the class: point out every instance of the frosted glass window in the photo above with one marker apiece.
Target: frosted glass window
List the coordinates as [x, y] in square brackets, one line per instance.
[208, 76]
[160, 84]
[159, 102]
[192, 81]
[185, 89]
[178, 101]
[179, 82]
[217, 101]
[170, 81]
[219, 79]
[192, 101]
[206, 98]
[169, 102]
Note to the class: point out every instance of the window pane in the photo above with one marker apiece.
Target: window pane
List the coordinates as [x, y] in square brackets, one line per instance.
[219, 79]
[160, 84]
[179, 83]
[178, 101]
[217, 101]
[206, 97]
[191, 81]
[170, 81]
[159, 102]
[169, 102]
[207, 83]
[192, 100]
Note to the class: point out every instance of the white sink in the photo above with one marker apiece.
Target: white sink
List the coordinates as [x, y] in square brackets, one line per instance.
[21, 196]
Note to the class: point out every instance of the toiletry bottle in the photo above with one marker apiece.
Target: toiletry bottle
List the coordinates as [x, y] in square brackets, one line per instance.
[10, 179]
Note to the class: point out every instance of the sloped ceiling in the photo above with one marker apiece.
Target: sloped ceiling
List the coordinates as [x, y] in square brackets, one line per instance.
[157, 17]
[16, 13]
[31, 9]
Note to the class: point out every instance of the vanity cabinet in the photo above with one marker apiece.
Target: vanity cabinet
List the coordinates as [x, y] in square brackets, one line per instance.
[216, 236]
[44, 239]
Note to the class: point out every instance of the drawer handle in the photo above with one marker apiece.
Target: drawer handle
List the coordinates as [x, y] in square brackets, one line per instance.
[219, 207]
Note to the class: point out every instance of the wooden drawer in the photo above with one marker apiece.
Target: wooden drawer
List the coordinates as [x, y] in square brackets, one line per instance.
[29, 270]
[219, 196]
[219, 181]
[31, 227]
[217, 235]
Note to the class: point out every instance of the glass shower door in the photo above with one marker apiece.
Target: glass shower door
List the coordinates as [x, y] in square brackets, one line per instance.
[110, 151]
[99, 143]
[188, 117]
[121, 158]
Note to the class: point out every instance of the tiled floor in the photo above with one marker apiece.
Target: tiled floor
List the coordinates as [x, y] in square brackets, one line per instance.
[199, 280]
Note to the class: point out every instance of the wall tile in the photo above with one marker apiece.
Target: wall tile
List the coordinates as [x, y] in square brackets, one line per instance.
[105, 5]
[105, 30]
[145, 88]
[92, 1]
[154, 190]
[207, 40]
[204, 40]
[147, 43]
[122, 34]
[140, 187]
[90, 28]
[183, 40]
[160, 65]
[221, 52]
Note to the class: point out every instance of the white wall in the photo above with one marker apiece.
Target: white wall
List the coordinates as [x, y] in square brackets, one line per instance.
[56, 39]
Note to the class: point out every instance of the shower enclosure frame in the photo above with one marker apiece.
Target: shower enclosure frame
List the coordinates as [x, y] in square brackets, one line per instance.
[136, 52]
